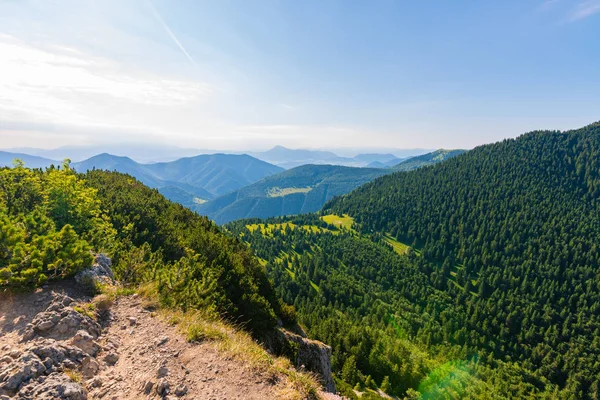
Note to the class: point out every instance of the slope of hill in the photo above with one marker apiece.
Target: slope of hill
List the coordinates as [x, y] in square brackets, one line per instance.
[373, 303]
[426, 159]
[217, 173]
[188, 181]
[299, 190]
[124, 165]
[7, 159]
[513, 229]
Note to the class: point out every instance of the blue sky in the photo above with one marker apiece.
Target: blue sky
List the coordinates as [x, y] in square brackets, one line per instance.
[319, 74]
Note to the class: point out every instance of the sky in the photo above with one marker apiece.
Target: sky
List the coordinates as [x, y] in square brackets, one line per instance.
[248, 75]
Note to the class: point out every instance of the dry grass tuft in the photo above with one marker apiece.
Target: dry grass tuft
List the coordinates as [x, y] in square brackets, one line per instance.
[86, 309]
[102, 302]
[74, 376]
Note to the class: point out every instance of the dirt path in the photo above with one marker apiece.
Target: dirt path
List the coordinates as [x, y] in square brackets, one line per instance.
[152, 352]
[50, 349]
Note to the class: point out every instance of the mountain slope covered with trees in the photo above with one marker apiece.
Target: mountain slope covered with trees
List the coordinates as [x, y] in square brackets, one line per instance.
[427, 159]
[302, 189]
[370, 298]
[515, 226]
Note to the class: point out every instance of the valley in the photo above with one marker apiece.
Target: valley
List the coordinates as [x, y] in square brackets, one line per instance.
[445, 275]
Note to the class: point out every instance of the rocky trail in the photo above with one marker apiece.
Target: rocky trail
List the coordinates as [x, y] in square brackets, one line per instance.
[51, 348]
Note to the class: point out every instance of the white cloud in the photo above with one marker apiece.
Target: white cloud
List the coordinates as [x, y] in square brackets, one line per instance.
[64, 86]
[585, 9]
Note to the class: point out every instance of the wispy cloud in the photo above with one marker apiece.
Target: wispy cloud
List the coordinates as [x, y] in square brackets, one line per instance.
[42, 88]
[171, 34]
[287, 106]
[585, 9]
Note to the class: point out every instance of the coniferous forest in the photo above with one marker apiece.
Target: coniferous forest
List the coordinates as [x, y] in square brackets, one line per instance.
[486, 264]
[516, 225]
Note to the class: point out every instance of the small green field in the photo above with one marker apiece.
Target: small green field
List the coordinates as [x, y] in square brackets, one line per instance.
[344, 221]
[398, 247]
[267, 229]
[280, 192]
[315, 286]
[291, 273]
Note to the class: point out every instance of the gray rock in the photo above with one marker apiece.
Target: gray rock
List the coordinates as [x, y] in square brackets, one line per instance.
[22, 370]
[89, 367]
[163, 387]
[85, 342]
[61, 321]
[99, 273]
[315, 356]
[162, 371]
[57, 386]
[181, 390]
[147, 387]
[54, 353]
[111, 358]
[162, 341]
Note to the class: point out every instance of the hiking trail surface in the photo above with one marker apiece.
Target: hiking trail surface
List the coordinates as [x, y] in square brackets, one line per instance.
[51, 348]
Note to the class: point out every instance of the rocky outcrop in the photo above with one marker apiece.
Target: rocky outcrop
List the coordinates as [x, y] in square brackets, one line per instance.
[58, 344]
[53, 387]
[61, 321]
[21, 375]
[308, 354]
[99, 273]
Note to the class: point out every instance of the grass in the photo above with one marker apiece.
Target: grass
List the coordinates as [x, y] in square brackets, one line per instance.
[267, 229]
[315, 286]
[344, 222]
[398, 247]
[292, 274]
[86, 309]
[114, 291]
[280, 192]
[74, 376]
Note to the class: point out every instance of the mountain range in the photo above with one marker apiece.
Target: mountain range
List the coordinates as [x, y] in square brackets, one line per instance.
[290, 158]
[286, 158]
[229, 186]
[7, 159]
[140, 152]
[188, 181]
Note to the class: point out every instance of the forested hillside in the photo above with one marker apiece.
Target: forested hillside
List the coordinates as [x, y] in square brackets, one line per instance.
[514, 226]
[302, 189]
[374, 304]
[426, 159]
[52, 220]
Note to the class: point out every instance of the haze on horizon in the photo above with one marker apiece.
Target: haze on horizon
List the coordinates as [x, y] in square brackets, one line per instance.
[235, 75]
